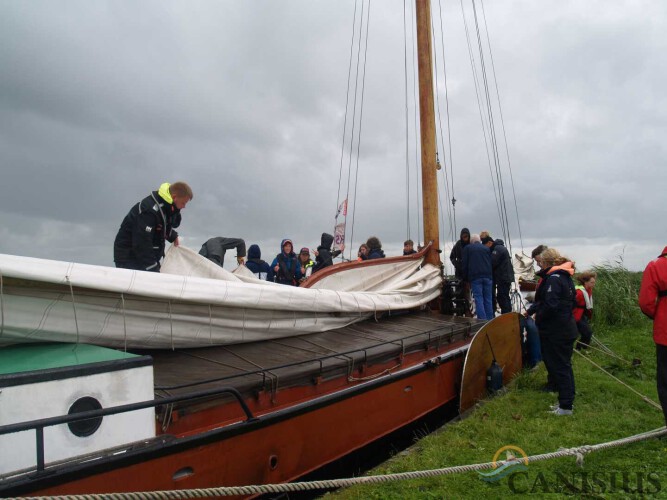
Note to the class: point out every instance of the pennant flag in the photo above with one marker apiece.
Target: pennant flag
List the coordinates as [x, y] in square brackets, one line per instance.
[342, 208]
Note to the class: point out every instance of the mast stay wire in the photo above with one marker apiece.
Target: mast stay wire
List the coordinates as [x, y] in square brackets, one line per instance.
[479, 107]
[407, 140]
[347, 102]
[451, 211]
[354, 115]
[502, 121]
[413, 15]
[441, 143]
[492, 131]
[361, 115]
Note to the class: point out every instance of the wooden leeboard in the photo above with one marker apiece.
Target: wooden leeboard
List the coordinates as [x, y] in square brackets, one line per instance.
[505, 337]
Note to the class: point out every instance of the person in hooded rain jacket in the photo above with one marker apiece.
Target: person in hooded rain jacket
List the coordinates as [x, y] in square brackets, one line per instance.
[140, 241]
[256, 265]
[553, 309]
[285, 268]
[374, 248]
[216, 248]
[653, 303]
[323, 255]
[503, 275]
[456, 255]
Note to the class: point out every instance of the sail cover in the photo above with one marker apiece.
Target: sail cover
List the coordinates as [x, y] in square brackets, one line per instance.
[192, 302]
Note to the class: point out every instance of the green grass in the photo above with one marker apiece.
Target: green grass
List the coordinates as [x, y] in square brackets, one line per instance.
[604, 411]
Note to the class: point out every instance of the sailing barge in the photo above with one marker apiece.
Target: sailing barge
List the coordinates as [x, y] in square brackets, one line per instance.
[83, 418]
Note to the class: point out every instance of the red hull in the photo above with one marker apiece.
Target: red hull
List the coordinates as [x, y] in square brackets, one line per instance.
[284, 450]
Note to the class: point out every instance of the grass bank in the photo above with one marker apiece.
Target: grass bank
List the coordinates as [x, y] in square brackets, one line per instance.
[604, 411]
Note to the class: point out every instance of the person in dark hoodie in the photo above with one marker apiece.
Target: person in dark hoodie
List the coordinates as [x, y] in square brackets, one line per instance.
[256, 265]
[374, 248]
[140, 241]
[323, 255]
[285, 268]
[456, 255]
[503, 275]
[216, 248]
[555, 299]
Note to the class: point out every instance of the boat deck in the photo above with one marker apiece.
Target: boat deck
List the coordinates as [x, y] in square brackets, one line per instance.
[272, 364]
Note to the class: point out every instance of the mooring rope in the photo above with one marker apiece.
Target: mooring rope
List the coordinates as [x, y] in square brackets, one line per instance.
[578, 452]
[644, 397]
[606, 352]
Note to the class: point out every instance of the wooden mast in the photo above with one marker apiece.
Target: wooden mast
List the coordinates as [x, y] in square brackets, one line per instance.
[427, 127]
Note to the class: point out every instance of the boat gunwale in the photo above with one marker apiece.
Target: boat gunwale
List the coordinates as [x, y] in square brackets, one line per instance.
[346, 266]
[166, 444]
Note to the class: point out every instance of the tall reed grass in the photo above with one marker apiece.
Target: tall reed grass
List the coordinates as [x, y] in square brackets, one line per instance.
[615, 295]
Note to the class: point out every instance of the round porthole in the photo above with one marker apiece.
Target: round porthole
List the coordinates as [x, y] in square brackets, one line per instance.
[83, 428]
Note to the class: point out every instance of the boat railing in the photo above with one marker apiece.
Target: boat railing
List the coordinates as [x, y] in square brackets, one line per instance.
[39, 425]
[436, 335]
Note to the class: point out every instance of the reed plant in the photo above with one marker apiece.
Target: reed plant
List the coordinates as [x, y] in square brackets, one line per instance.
[616, 296]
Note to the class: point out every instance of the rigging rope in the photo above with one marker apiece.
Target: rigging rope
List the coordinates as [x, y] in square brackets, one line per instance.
[361, 115]
[347, 101]
[492, 133]
[578, 452]
[451, 211]
[354, 115]
[479, 106]
[502, 121]
[407, 127]
[413, 15]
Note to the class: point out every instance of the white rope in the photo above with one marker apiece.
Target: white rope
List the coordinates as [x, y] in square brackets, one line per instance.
[122, 301]
[76, 321]
[577, 452]
[2, 306]
[171, 327]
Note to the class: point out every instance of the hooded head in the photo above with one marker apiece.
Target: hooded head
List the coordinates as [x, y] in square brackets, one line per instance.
[285, 242]
[326, 240]
[254, 252]
[465, 231]
[373, 243]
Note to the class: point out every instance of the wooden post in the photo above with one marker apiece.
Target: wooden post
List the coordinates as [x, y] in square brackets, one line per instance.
[427, 128]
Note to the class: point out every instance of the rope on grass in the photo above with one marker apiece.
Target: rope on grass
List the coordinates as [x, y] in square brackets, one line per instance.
[604, 350]
[644, 397]
[578, 452]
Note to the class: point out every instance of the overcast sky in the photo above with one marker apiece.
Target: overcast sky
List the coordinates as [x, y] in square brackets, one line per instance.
[100, 102]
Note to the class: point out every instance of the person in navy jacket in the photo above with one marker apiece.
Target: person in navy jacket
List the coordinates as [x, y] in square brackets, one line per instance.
[477, 269]
[256, 265]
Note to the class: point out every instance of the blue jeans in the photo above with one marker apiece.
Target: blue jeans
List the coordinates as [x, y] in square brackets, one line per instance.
[482, 288]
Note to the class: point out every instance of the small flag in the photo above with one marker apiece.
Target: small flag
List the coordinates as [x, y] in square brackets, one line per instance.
[342, 208]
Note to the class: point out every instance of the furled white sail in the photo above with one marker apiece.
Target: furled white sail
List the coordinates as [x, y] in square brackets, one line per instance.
[192, 302]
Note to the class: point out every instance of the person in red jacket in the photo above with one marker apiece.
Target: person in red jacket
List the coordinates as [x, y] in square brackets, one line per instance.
[583, 309]
[654, 304]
